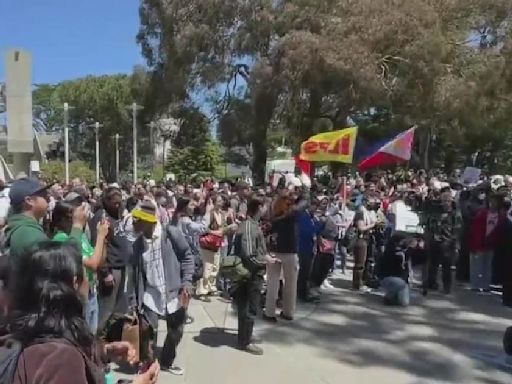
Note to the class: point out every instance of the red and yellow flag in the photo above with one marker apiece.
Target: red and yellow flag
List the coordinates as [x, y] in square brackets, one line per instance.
[335, 146]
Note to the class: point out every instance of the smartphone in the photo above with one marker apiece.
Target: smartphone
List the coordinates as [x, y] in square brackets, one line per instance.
[144, 367]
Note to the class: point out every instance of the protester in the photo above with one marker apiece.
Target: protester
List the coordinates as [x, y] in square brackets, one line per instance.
[250, 246]
[163, 266]
[307, 227]
[215, 219]
[363, 224]
[394, 267]
[442, 231]
[111, 278]
[93, 257]
[29, 204]
[239, 201]
[482, 243]
[285, 232]
[326, 244]
[48, 333]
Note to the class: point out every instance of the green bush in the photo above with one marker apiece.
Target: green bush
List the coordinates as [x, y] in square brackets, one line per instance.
[55, 171]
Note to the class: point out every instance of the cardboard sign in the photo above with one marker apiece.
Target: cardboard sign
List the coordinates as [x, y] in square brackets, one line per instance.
[471, 175]
[405, 219]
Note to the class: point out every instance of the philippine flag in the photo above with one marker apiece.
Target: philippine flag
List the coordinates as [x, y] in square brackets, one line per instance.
[396, 151]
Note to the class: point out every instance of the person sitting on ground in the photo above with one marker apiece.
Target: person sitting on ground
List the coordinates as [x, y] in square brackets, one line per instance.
[29, 204]
[49, 340]
[394, 270]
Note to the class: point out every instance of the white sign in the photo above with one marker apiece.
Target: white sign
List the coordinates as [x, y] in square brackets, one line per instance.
[405, 219]
[471, 175]
[34, 166]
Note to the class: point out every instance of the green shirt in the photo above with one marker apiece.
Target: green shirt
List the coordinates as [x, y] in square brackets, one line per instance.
[86, 248]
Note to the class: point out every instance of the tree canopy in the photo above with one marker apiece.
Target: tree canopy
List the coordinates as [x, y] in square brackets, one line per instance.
[102, 99]
[308, 65]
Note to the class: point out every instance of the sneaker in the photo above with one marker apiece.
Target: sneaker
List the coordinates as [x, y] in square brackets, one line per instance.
[204, 299]
[189, 320]
[175, 370]
[270, 319]
[314, 291]
[365, 289]
[252, 349]
[327, 285]
[286, 317]
[310, 299]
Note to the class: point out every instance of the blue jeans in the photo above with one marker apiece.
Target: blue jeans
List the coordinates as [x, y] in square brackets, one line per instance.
[91, 312]
[480, 269]
[342, 253]
[396, 291]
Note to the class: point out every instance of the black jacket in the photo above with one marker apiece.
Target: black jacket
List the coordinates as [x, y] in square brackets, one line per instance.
[119, 248]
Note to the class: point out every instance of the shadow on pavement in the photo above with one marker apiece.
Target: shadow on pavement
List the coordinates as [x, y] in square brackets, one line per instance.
[435, 338]
[217, 337]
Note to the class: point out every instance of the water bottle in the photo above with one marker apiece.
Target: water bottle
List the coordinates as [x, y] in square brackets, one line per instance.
[109, 376]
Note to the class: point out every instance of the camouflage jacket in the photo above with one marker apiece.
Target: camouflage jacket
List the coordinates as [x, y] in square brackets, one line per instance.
[443, 227]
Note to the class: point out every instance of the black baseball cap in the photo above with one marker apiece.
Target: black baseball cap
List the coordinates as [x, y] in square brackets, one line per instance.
[23, 188]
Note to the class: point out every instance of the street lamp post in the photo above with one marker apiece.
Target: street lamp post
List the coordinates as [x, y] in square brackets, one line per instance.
[97, 127]
[117, 137]
[66, 141]
[134, 107]
[152, 127]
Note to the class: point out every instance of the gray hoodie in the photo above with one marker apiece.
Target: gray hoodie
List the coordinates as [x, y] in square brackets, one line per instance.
[178, 262]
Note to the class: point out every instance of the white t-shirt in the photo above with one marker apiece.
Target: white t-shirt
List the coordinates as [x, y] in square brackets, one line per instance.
[155, 293]
[5, 202]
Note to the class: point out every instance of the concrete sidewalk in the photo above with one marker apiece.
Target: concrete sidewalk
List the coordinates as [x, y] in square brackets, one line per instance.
[351, 337]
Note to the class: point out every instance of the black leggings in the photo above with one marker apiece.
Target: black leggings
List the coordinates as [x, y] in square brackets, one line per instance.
[321, 267]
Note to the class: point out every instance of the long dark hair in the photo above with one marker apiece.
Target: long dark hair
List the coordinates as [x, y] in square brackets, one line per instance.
[62, 216]
[44, 301]
[181, 207]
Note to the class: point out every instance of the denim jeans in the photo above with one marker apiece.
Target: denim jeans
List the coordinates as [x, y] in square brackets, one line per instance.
[396, 291]
[91, 312]
[480, 269]
[342, 252]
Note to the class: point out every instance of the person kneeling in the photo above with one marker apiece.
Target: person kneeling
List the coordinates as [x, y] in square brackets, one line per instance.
[394, 272]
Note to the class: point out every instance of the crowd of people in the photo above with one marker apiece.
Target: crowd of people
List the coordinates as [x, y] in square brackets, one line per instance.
[80, 265]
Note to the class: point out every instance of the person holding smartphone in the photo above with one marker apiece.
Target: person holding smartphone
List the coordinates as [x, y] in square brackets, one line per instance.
[93, 257]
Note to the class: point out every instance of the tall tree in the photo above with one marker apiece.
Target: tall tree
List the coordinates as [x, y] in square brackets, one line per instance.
[93, 98]
[307, 61]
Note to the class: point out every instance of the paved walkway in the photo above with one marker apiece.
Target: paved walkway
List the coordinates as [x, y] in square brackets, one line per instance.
[351, 337]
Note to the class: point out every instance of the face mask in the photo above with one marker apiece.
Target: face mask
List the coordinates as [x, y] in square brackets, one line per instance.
[481, 197]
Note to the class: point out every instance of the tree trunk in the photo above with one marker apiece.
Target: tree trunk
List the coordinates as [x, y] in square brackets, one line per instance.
[264, 103]
[425, 142]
